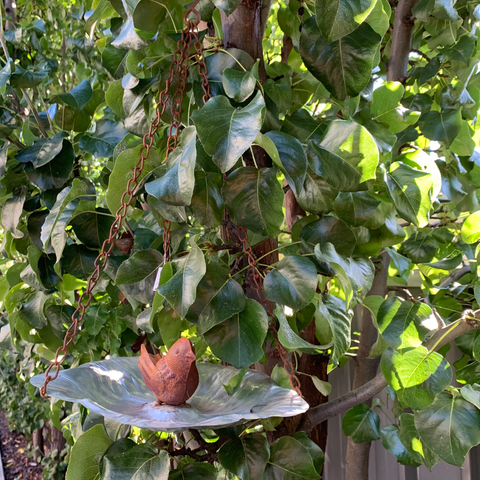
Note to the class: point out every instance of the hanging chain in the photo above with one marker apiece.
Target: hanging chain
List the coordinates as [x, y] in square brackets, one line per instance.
[258, 281]
[178, 68]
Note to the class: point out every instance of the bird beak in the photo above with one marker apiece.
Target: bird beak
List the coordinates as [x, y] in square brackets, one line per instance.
[191, 356]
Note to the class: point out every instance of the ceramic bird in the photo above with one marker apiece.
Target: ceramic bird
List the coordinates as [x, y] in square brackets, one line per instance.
[172, 378]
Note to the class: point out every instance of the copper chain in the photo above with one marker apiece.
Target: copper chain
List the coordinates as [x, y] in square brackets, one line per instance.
[258, 281]
[178, 68]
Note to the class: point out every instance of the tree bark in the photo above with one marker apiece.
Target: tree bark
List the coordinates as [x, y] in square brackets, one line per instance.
[357, 456]
[401, 41]
[37, 441]
[10, 13]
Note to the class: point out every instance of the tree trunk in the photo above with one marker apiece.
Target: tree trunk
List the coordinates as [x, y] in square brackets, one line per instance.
[11, 13]
[37, 441]
[56, 442]
[357, 456]
[401, 41]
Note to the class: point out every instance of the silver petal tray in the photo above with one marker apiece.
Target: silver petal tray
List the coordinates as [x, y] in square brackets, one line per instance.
[115, 389]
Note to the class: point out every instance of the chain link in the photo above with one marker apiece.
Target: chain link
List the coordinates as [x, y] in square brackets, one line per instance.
[258, 281]
[179, 68]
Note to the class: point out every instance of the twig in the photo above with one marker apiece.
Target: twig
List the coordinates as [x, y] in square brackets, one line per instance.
[35, 113]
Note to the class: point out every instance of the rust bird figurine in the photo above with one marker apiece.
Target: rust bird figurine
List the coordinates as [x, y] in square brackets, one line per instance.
[172, 378]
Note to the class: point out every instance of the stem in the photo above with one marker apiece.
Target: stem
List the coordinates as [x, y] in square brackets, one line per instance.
[46, 111]
[2, 37]
[35, 113]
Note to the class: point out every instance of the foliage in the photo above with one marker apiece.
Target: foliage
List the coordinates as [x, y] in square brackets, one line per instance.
[376, 166]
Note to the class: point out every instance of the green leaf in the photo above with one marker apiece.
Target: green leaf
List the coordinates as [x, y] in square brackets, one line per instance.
[343, 66]
[67, 201]
[361, 209]
[239, 85]
[138, 267]
[410, 190]
[5, 73]
[379, 18]
[291, 341]
[441, 126]
[356, 274]
[471, 228]
[338, 18]
[314, 450]
[219, 298]
[12, 211]
[89, 447]
[391, 442]
[21, 78]
[462, 50]
[79, 261]
[449, 427]
[330, 230]
[405, 324]
[471, 393]
[76, 98]
[254, 199]
[142, 462]
[239, 340]
[193, 471]
[60, 318]
[56, 172]
[207, 202]
[42, 151]
[114, 98]
[293, 282]
[176, 186]
[417, 375]
[106, 137]
[227, 132]
[333, 310]
[95, 318]
[228, 6]
[181, 290]
[362, 424]
[246, 456]
[92, 228]
[316, 195]
[290, 460]
[346, 156]
[288, 154]
[123, 171]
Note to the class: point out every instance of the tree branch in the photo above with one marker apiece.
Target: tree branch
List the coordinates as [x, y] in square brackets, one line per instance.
[343, 403]
[401, 41]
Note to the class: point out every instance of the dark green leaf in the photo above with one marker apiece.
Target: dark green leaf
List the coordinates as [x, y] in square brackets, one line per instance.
[181, 290]
[114, 98]
[288, 154]
[290, 460]
[142, 462]
[333, 310]
[254, 199]
[194, 471]
[416, 375]
[207, 201]
[93, 228]
[239, 85]
[391, 442]
[239, 340]
[246, 456]
[123, 171]
[316, 195]
[95, 318]
[362, 424]
[293, 282]
[405, 324]
[176, 186]
[76, 98]
[344, 66]
[138, 267]
[12, 211]
[219, 298]
[441, 126]
[449, 427]
[346, 156]
[330, 230]
[361, 209]
[69, 118]
[78, 260]
[89, 447]
[21, 78]
[107, 136]
[340, 17]
[227, 132]
[42, 151]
